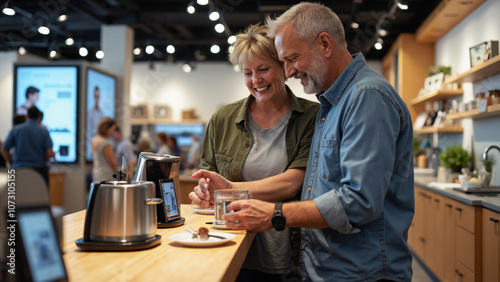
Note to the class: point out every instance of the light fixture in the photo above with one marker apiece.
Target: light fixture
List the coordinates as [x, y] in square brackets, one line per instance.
[230, 49]
[99, 54]
[170, 49]
[43, 29]
[22, 51]
[53, 54]
[378, 45]
[403, 4]
[64, 14]
[354, 23]
[215, 49]
[383, 32]
[137, 51]
[219, 28]
[231, 39]
[150, 49]
[83, 51]
[8, 9]
[202, 2]
[69, 41]
[191, 9]
[214, 16]
[187, 68]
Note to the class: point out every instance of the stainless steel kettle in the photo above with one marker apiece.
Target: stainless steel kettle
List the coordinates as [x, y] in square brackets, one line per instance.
[155, 167]
[121, 212]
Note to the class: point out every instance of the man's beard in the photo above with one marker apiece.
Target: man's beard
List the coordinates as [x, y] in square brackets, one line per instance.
[316, 75]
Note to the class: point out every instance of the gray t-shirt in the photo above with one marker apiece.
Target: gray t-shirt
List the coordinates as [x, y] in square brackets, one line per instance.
[271, 250]
[101, 170]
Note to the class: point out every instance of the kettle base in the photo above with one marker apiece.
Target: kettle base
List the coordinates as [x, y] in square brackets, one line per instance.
[119, 246]
[173, 223]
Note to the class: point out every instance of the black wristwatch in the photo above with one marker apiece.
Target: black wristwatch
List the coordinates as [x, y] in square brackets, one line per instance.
[278, 220]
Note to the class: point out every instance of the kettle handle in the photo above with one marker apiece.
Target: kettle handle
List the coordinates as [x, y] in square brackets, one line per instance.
[90, 207]
[153, 201]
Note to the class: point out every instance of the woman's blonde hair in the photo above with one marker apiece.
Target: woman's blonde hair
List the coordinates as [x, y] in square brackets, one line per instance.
[253, 41]
[104, 125]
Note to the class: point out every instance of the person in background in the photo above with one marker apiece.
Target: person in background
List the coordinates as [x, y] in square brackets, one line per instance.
[103, 157]
[32, 143]
[261, 144]
[193, 156]
[124, 148]
[32, 95]
[18, 119]
[357, 201]
[176, 151]
[94, 116]
[161, 141]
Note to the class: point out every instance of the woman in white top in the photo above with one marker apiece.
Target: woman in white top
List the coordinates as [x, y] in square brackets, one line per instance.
[161, 141]
[102, 151]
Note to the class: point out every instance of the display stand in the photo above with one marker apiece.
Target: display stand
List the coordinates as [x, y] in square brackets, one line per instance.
[170, 224]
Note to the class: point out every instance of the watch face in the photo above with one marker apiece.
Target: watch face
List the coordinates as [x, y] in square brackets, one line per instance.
[278, 222]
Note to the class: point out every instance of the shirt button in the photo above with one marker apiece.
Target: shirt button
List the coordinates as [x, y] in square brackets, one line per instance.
[247, 144]
[309, 189]
[316, 154]
[323, 118]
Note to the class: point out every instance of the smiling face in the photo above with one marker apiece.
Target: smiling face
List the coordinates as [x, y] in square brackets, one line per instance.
[264, 77]
[302, 60]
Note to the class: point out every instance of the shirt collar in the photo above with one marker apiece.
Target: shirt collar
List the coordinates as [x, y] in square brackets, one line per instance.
[333, 94]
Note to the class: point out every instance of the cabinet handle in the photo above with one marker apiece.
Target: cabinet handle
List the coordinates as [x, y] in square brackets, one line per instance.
[458, 209]
[494, 219]
[436, 200]
[458, 273]
[448, 205]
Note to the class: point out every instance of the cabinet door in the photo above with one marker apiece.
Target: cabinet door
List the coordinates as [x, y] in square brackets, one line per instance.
[449, 256]
[490, 254]
[436, 236]
[416, 235]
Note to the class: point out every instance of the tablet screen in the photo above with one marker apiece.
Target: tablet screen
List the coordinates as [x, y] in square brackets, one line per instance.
[40, 243]
[170, 204]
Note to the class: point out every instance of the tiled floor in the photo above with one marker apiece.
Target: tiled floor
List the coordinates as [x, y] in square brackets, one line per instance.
[419, 274]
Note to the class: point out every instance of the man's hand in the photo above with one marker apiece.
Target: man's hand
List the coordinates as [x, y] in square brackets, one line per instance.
[208, 181]
[252, 215]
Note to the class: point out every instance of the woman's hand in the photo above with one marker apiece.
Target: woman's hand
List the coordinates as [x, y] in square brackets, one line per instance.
[208, 181]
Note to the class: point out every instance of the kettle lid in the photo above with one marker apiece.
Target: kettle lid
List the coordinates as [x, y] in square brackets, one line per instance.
[159, 157]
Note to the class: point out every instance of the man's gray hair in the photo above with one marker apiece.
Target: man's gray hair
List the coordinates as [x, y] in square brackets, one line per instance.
[309, 20]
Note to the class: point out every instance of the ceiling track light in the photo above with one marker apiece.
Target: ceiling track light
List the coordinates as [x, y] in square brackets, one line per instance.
[215, 49]
[214, 15]
[202, 2]
[187, 68]
[170, 49]
[190, 8]
[64, 14]
[8, 9]
[83, 51]
[99, 54]
[403, 4]
[219, 28]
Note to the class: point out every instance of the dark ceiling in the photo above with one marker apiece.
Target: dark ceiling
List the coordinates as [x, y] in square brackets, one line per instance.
[164, 22]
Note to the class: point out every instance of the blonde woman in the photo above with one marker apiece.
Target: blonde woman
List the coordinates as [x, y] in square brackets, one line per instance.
[104, 163]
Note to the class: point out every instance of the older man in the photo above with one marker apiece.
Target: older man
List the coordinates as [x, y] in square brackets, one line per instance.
[357, 198]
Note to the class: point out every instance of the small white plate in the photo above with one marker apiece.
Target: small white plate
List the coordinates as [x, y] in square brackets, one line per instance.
[187, 239]
[205, 210]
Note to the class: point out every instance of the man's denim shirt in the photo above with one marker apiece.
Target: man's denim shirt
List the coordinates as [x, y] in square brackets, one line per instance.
[360, 175]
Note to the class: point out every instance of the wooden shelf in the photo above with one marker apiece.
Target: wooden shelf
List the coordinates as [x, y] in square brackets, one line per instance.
[436, 96]
[479, 72]
[444, 17]
[432, 129]
[491, 111]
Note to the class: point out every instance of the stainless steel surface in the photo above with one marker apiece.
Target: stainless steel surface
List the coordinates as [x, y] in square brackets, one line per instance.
[121, 211]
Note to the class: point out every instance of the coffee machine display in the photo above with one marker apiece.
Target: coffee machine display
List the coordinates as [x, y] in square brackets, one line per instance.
[163, 171]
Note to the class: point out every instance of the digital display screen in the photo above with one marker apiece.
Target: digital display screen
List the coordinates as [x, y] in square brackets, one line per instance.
[101, 103]
[182, 132]
[40, 245]
[54, 90]
[169, 199]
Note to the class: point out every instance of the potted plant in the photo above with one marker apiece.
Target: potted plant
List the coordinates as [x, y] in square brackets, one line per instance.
[488, 164]
[454, 158]
[416, 150]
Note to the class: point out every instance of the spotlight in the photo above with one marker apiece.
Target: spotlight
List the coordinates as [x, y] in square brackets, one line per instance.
[219, 28]
[379, 45]
[22, 51]
[383, 32]
[170, 49]
[230, 49]
[150, 49]
[187, 68]
[354, 25]
[64, 15]
[83, 51]
[69, 41]
[231, 39]
[53, 54]
[403, 5]
[8, 9]
[215, 49]
[137, 51]
[43, 29]
[202, 2]
[190, 9]
[99, 54]
[214, 16]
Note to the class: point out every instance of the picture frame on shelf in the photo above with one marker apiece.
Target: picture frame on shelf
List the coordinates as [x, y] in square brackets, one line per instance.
[420, 121]
[482, 52]
[139, 113]
[434, 82]
[162, 113]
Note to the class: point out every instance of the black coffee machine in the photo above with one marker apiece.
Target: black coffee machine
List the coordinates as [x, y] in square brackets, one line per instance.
[163, 171]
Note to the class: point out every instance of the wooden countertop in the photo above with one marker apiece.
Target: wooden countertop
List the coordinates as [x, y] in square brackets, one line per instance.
[169, 261]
